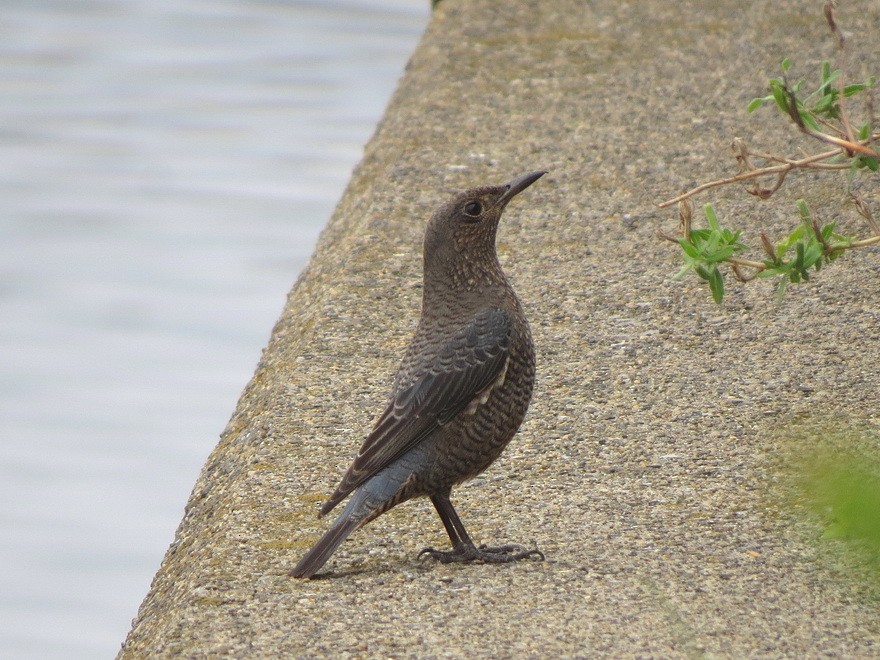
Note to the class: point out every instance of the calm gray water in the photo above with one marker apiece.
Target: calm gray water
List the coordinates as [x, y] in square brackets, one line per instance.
[165, 168]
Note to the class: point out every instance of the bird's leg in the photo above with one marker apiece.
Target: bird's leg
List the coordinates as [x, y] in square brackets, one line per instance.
[463, 548]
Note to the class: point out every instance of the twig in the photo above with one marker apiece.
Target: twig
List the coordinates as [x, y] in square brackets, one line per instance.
[865, 212]
[784, 168]
[862, 243]
[848, 145]
[738, 261]
[830, 6]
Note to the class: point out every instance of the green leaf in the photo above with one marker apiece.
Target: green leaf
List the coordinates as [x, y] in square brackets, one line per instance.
[757, 103]
[825, 104]
[867, 161]
[799, 260]
[721, 254]
[689, 248]
[711, 218]
[785, 64]
[809, 120]
[804, 210]
[703, 272]
[684, 271]
[840, 241]
[813, 253]
[828, 76]
[716, 284]
[781, 98]
[796, 235]
[712, 244]
[773, 271]
[855, 88]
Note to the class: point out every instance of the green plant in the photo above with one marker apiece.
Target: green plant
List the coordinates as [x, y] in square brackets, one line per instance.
[823, 115]
[828, 475]
[822, 109]
[704, 249]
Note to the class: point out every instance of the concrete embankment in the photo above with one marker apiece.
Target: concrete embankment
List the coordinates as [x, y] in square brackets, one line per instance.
[648, 467]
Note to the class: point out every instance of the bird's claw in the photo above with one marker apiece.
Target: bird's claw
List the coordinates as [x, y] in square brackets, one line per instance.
[501, 554]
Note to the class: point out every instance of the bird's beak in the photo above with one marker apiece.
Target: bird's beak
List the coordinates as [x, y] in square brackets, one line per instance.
[519, 184]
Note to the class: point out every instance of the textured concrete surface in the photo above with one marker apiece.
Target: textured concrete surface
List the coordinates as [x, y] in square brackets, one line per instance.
[647, 467]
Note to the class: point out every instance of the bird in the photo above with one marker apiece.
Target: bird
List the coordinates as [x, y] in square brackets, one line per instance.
[460, 393]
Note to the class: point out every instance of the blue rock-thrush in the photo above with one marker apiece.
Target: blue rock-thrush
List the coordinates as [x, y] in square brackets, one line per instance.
[461, 391]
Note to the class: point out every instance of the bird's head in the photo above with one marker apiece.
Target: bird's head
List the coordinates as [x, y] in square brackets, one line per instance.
[463, 229]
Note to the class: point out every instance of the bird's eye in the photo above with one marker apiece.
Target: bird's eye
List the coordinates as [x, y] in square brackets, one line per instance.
[473, 209]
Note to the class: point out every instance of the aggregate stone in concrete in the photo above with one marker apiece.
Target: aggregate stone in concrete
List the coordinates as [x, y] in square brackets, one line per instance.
[650, 466]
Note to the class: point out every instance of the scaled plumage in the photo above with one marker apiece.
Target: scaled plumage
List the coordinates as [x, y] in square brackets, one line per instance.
[462, 388]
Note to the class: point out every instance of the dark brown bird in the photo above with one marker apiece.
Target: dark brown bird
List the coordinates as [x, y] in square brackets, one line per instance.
[461, 391]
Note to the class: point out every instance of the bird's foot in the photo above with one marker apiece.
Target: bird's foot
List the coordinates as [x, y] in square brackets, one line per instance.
[501, 554]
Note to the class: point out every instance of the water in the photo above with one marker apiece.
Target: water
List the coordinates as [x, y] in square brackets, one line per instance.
[165, 168]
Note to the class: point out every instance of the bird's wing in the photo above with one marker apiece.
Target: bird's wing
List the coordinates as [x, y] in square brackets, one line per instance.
[465, 366]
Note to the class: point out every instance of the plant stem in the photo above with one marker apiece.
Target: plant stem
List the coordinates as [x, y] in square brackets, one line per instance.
[785, 167]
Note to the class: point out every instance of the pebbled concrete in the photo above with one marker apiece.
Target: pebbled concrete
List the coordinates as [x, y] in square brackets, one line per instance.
[648, 469]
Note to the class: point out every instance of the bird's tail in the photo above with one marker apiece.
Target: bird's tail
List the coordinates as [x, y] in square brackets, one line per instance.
[383, 491]
[367, 502]
[319, 554]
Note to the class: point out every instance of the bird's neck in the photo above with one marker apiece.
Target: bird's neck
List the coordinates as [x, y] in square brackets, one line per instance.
[461, 281]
